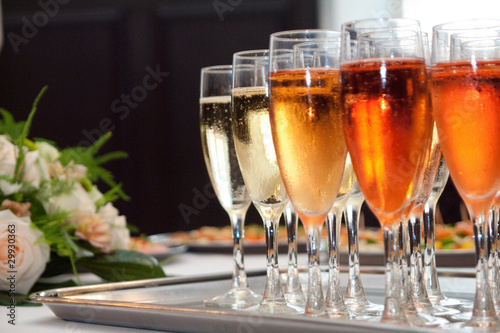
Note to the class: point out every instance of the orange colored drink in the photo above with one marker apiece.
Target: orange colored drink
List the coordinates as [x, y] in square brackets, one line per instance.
[388, 127]
[308, 138]
[466, 100]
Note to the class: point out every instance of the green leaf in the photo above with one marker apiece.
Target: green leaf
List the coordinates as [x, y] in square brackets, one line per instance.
[122, 265]
[45, 285]
[57, 265]
[87, 156]
[22, 300]
[17, 300]
[20, 140]
[9, 126]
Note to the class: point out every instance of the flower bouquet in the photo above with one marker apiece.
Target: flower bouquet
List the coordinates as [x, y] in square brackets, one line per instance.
[53, 217]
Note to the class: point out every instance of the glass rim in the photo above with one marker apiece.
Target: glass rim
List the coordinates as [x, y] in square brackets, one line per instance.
[329, 33]
[380, 19]
[461, 25]
[252, 54]
[217, 69]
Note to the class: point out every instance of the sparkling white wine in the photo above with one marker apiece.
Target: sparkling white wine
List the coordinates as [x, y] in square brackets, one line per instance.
[254, 146]
[308, 137]
[219, 152]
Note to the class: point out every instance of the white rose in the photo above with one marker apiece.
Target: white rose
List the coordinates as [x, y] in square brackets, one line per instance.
[77, 200]
[31, 166]
[29, 257]
[8, 188]
[48, 152]
[7, 156]
[118, 231]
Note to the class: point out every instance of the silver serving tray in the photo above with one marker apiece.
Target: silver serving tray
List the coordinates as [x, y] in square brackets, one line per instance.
[176, 305]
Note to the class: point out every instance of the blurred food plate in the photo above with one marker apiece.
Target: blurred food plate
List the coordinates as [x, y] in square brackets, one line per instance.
[454, 244]
[157, 246]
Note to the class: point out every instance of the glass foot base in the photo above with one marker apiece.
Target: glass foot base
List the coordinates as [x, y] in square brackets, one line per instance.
[435, 310]
[425, 320]
[279, 307]
[491, 323]
[364, 308]
[296, 298]
[235, 299]
[466, 320]
[339, 314]
[402, 320]
[460, 304]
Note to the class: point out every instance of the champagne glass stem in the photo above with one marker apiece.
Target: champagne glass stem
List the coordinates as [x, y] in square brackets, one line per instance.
[334, 301]
[315, 303]
[393, 306]
[496, 263]
[237, 227]
[430, 272]
[431, 280]
[483, 313]
[418, 307]
[404, 267]
[272, 291]
[493, 250]
[293, 288]
[355, 295]
[418, 290]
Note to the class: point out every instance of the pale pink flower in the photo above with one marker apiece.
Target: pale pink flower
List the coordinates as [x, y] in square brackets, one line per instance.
[22, 256]
[93, 229]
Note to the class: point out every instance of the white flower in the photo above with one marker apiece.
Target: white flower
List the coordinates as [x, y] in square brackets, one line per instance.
[48, 152]
[77, 200]
[8, 188]
[7, 156]
[118, 231]
[31, 168]
[95, 194]
[28, 258]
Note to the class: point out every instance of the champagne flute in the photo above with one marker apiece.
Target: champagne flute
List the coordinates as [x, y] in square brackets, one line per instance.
[225, 175]
[308, 138]
[326, 54]
[257, 160]
[466, 105]
[387, 126]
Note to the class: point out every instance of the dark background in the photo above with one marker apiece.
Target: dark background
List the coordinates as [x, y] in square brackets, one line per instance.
[95, 56]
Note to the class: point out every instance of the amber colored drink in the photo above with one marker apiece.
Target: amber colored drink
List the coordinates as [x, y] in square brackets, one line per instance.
[388, 128]
[466, 103]
[307, 133]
